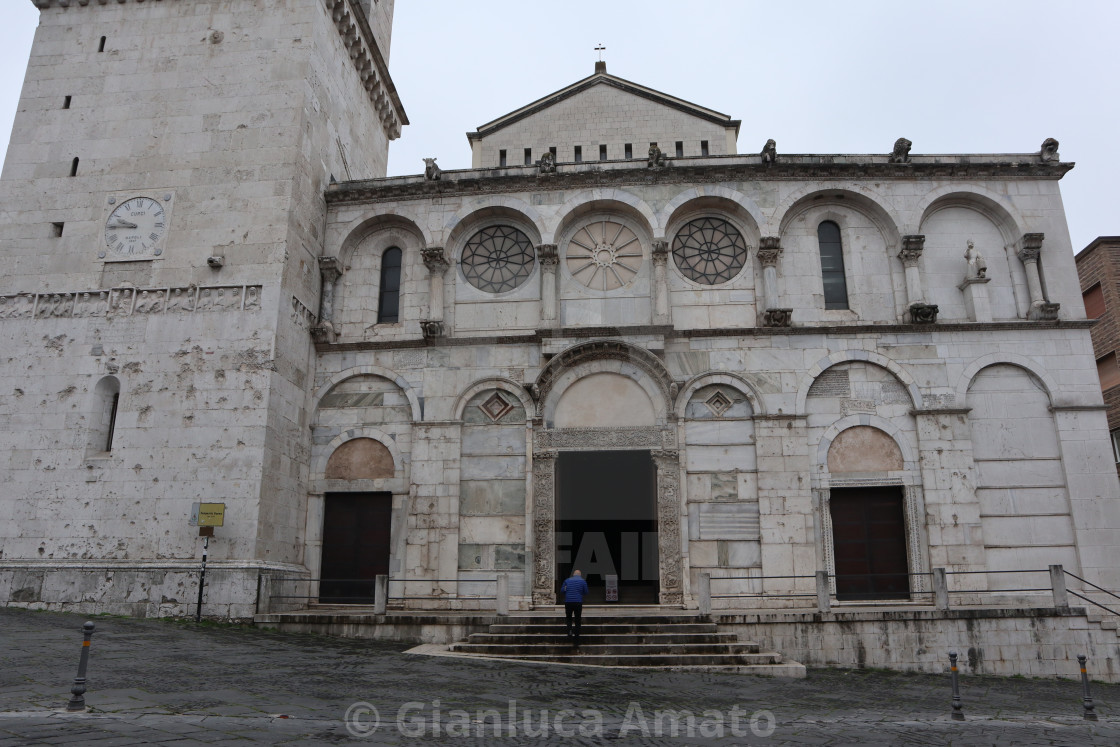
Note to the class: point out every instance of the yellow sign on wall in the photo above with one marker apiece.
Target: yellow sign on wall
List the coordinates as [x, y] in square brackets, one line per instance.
[208, 514]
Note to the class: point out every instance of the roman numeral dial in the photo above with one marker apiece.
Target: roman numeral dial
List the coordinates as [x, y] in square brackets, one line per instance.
[135, 227]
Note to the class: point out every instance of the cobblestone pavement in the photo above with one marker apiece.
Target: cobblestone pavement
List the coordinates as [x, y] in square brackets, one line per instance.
[176, 683]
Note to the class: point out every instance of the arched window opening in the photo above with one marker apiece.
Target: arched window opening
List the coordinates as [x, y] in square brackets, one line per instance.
[103, 415]
[832, 266]
[389, 296]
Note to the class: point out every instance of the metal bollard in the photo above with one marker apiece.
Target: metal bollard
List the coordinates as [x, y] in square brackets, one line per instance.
[78, 701]
[1086, 699]
[957, 714]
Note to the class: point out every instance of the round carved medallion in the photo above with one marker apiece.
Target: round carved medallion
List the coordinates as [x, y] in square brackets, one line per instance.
[604, 255]
[709, 251]
[498, 259]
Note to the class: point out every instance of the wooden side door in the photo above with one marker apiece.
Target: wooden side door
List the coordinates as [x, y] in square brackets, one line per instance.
[869, 539]
[356, 536]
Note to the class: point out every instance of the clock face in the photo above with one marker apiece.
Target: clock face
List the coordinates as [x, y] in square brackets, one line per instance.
[135, 227]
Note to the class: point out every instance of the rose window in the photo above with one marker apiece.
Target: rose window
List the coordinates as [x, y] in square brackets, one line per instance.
[498, 258]
[709, 251]
[604, 255]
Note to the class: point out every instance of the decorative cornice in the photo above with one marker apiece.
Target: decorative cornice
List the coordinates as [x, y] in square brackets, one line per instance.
[357, 37]
[536, 337]
[574, 176]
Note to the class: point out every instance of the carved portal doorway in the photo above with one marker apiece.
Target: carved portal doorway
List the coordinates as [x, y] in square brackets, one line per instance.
[606, 523]
[647, 454]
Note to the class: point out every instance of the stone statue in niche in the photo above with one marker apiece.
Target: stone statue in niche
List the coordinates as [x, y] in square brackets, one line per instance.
[901, 152]
[656, 159]
[977, 267]
[1049, 150]
[252, 299]
[770, 151]
[64, 306]
[547, 164]
[432, 172]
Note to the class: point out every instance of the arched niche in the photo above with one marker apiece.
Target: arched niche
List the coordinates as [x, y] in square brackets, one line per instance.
[604, 399]
[360, 459]
[864, 448]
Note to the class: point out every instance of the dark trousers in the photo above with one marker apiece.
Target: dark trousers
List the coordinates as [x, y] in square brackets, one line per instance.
[573, 609]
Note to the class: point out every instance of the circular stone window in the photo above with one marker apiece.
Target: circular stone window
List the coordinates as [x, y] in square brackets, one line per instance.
[498, 258]
[709, 251]
[604, 254]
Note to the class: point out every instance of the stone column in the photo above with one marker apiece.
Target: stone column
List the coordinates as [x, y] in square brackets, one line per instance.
[437, 265]
[330, 270]
[668, 466]
[549, 258]
[911, 255]
[660, 255]
[544, 527]
[1029, 252]
[769, 251]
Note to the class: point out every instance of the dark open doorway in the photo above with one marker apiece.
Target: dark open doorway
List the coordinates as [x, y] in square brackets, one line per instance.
[869, 537]
[356, 532]
[606, 523]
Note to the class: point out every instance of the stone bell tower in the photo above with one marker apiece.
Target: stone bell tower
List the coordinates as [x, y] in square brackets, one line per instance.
[161, 220]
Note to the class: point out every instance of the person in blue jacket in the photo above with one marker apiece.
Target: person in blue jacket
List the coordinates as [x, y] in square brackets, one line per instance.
[574, 590]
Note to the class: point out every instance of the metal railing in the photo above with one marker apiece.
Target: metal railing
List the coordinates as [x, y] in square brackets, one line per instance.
[378, 591]
[829, 588]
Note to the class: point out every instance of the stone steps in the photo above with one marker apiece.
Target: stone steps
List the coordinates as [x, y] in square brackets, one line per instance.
[587, 638]
[536, 648]
[625, 640]
[613, 628]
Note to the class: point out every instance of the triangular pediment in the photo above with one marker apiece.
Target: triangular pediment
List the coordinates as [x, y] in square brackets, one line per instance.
[593, 82]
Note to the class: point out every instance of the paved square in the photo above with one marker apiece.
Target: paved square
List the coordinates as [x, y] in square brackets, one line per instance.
[160, 682]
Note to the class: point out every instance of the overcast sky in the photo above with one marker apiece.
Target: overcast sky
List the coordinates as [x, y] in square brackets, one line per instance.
[969, 76]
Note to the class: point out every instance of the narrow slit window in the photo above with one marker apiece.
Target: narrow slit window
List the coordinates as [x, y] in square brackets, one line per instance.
[66, 103]
[602, 152]
[101, 46]
[528, 156]
[103, 415]
[578, 154]
[501, 158]
[832, 266]
[629, 150]
[704, 147]
[552, 150]
[112, 421]
[680, 149]
[74, 167]
[56, 229]
[389, 295]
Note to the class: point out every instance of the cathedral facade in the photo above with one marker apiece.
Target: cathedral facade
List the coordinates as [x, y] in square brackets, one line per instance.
[614, 343]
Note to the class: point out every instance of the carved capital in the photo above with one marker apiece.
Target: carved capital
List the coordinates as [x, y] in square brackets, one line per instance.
[1045, 311]
[548, 255]
[434, 259]
[324, 332]
[923, 313]
[431, 329]
[544, 455]
[660, 252]
[1031, 247]
[330, 268]
[769, 250]
[912, 249]
[777, 318]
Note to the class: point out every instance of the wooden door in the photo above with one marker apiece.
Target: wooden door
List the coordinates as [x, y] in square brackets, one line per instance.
[356, 534]
[869, 539]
